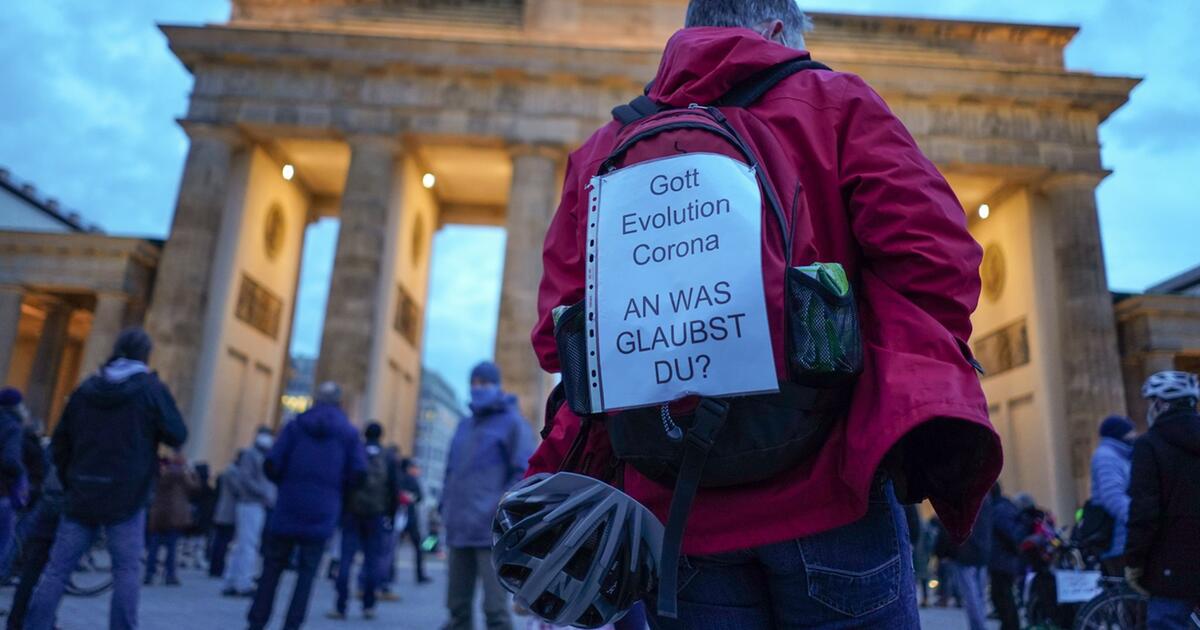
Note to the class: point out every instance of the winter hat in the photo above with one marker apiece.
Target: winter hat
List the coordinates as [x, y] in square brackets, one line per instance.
[134, 344]
[329, 392]
[486, 372]
[1116, 427]
[373, 432]
[10, 397]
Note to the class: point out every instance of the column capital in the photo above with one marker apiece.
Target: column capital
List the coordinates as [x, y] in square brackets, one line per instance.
[198, 129]
[1059, 181]
[556, 152]
[375, 142]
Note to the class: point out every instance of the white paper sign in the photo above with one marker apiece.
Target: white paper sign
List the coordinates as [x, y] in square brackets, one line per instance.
[675, 291]
[1076, 587]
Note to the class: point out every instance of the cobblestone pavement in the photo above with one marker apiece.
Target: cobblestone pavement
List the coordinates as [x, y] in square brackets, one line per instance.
[198, 605]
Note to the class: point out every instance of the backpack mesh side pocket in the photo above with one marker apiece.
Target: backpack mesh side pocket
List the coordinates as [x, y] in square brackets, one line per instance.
[825, 342]
[570, 335]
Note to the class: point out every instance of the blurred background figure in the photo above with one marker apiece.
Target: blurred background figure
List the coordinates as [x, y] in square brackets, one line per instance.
[317, 457]
[224, 516]
[253, 496]
[1005, 567]
[170, 516]
[105, 448]
[944, 551]
[488, 454]
[411, 497]
[14, 485]
[1110, 487]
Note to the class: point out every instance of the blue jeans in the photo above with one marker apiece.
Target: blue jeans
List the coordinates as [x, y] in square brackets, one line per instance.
[277, 551]
[856, 576]
[365, 533]
[125, 545]
[1168, 614]
[971, 588]
[170, 541]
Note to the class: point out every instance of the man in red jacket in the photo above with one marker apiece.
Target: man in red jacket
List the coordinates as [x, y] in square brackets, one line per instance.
[823, 544]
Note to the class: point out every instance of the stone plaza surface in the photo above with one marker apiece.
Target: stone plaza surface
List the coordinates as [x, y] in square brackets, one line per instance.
[198, 605]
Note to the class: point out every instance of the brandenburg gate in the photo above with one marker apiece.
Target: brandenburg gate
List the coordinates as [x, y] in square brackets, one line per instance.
[340, 108]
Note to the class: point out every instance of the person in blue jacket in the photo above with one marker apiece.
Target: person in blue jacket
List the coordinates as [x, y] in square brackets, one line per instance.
[488, 455]
[317, 457]
[1110, 482]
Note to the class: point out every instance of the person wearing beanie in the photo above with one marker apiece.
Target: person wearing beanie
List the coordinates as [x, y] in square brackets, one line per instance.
[105, 451]
[1110, 481]
[488, 454]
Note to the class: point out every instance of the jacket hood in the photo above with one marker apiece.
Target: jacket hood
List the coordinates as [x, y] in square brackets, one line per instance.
[1181, 430]
[322, 420]
[499, 403]
[102, 392]
[701, 64]
[1120, 447]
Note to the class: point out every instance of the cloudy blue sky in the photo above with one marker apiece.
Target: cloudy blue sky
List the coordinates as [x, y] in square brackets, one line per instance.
[89, 92]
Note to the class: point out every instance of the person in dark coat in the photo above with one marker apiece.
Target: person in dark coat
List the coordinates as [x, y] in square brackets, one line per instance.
[35, 552]
[14, 483]
[170, 515]
[972, 562]
[223, 518]
[944, 550]
[488, 454]
[105, 449]
[317, 457]
[1004, 565]
[1162, 547]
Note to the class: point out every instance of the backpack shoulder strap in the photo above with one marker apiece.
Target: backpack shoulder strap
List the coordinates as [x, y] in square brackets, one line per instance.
[635, 110]
[749, 91]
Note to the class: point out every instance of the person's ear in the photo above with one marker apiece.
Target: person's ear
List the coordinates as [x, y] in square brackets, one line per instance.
[775, 32]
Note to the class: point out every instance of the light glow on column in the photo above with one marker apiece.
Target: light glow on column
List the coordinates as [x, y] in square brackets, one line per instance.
[428, 180]
[289, 172]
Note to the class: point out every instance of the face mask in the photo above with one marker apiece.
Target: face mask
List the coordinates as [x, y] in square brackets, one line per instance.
[484, 395]
[264, 441]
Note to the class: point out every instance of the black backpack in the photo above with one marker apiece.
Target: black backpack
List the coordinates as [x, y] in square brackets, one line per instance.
[724, 441]
[1094, 531]
[373, 497]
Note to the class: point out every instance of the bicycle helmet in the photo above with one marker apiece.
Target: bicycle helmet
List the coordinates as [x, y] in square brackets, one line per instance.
[1171, 385]
[574, 550]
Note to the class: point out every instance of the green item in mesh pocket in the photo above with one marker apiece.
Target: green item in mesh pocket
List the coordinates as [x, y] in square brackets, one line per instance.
[826, 346]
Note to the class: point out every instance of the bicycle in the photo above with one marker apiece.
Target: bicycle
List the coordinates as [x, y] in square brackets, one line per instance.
[1117, 607]
[91, 577]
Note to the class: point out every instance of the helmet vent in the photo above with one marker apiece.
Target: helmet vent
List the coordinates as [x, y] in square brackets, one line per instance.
[577, 567]
[514, 575]
[544, 543]
[547, 606]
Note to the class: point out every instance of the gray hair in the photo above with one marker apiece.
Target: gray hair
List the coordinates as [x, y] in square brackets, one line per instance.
[749, 14]
[329, 392]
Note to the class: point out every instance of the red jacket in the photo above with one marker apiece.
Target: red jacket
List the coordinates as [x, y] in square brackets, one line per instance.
[875, 204]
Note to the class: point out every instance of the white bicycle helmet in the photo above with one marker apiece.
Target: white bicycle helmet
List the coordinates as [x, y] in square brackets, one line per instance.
[1171, 385]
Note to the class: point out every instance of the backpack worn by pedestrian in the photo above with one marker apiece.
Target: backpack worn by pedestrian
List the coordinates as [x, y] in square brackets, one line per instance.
[711, 442]
[372, 497]
[1094, 531]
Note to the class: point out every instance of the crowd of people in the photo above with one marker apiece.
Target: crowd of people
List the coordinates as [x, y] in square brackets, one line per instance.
[1143, 500]
[113, 466]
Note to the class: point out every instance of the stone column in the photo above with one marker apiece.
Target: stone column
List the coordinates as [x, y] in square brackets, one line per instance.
[107, 321]
[180, 299]
[358, 264]
[532, 201]
[10, 319]
[43, 377]
[1089, 361]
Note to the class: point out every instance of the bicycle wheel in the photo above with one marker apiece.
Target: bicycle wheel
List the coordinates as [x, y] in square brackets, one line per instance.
[1115, 609]
[93, 575]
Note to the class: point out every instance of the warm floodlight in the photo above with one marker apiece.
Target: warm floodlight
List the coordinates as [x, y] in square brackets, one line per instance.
[984, 211]
[428, 180]
[289, 172]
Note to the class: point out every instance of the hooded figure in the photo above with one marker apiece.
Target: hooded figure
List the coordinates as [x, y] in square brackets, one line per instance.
[105, 447]
[488, 456]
